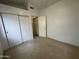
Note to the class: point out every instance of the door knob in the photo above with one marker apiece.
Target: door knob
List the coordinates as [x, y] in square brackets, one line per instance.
[6, 32]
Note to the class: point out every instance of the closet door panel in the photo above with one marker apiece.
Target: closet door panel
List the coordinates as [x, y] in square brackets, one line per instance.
[3, 38]
[24, 22]
[12, 29]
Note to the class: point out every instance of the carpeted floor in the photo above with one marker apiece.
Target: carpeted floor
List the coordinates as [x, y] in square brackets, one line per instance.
[42, 48]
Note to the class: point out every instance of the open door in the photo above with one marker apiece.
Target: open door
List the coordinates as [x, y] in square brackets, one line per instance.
[42, 24]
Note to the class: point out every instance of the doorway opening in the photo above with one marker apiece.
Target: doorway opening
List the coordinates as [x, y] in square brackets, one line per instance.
[35, 27]
[39, 26]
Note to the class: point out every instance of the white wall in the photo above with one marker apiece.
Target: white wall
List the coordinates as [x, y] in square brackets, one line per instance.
[63, 21]
[9, 9]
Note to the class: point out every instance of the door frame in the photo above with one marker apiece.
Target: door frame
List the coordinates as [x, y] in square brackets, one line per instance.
[46, 28]
[32, 26]
[38, 27]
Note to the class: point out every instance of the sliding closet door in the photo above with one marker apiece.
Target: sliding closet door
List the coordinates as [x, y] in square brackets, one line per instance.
[24, 22]
[3, 39]
[12, 29]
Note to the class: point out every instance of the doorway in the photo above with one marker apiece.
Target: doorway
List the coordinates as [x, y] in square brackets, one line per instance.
[39, 26]
[35, 26]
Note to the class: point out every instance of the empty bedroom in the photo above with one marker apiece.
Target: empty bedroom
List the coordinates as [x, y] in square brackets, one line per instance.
[39, 29]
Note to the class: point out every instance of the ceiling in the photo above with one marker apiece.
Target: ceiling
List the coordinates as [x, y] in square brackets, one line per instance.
[41, 4]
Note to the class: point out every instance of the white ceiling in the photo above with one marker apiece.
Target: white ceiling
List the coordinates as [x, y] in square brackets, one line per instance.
[41, 4]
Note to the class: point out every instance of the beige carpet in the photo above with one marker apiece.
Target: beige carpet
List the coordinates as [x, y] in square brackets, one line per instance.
[42, 48]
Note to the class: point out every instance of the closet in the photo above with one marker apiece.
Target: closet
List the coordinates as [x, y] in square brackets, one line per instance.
[25, 27]
[16, 29]
[3, 40]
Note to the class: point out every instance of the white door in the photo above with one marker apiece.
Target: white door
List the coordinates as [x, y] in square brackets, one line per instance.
[42, 26]
[25, 28]
[12, 29]
[3, 39]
